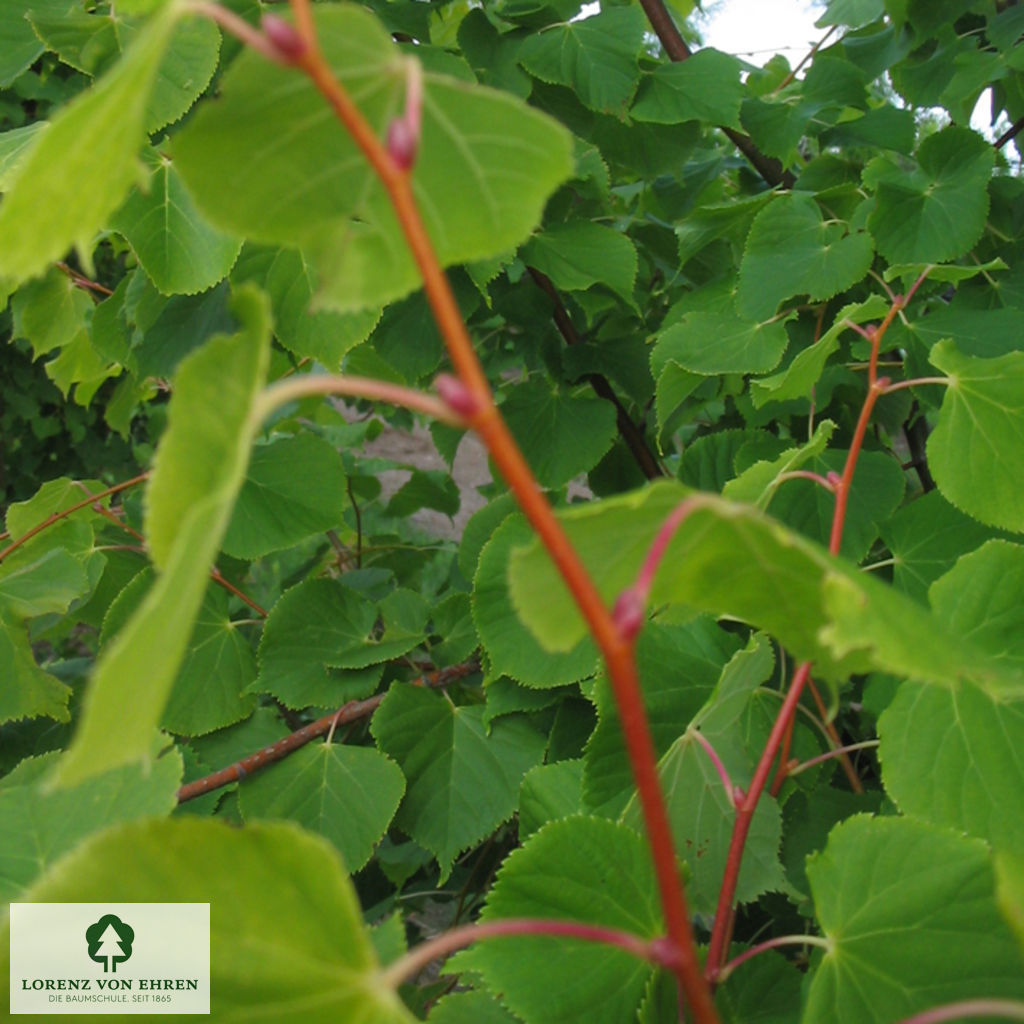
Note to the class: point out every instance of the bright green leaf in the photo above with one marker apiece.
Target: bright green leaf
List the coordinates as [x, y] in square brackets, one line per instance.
[462, 779]
[286, 929]
[701, 813]
[288, 277]
[27, 691]
[46, 211]
[926, 537]
[175, 245]
[799, 378]
[894, 897]
[41, 823]
[820, 608]
[510, 647]
[250, 159]
[19, 45]
[549, 792]
[199, 469]
[578, 869]
[976, 452]
[347, 794]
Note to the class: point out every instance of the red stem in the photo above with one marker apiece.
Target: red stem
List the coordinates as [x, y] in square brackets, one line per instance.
[1005, 1009]
[744, 816]
[615, 645]
[763, 947]
[447, 942]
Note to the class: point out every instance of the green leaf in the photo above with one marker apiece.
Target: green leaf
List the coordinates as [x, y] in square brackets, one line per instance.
[561, 435]
[511, 648]
[50, 312]
[701, 813]
[704, 87]
[951, 272]
[926, 537]
[185, 71]
[799, 378]
[977, 448]
[249, 161]
[891, 896]
[936, 211]
[952, 757]
[578, 869]
[46, 211]
[199, 469]
[767, 992]
[41, 824]
[289, 278]
[286, 929]
[678, 668]
[32, 584]
[791, 250]
[470, 1008]
[580, 254]
[175, 245]
[19, 44]
[758, 484]
[28, 691]
[851, 13]
[549, 792]
[595, 56]
[346, 794]
[426, 488]
[877, 489]
[820, 608]
[1010, 891]
[294, 489]
[462, 779]
[14, 147]
[317, 624]
[715, 343]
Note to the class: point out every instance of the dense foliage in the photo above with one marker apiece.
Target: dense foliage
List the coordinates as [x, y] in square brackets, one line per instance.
[766, 318]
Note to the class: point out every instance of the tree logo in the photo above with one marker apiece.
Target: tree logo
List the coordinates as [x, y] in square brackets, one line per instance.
[110, 942]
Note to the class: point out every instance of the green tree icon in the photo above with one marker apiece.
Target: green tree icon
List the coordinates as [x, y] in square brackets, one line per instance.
[110, 941]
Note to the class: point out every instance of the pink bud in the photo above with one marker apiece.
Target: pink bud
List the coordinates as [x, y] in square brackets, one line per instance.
[402, 143]
[285, 40]
[834, 479]
[457, 396]
[629, 613]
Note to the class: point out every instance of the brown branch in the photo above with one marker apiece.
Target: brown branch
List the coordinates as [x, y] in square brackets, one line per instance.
[916, 432]
[350, 712]
[81, 281]
[628, 430]
[1011, 133]
[770, 169]
[64, 513]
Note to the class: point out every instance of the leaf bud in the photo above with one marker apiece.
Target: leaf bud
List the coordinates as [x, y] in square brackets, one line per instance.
[402, 143]
[457, 396]
[283, 37]
[629, 613]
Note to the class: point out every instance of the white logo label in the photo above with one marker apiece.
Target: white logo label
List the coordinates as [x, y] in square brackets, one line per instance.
[110, 958]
